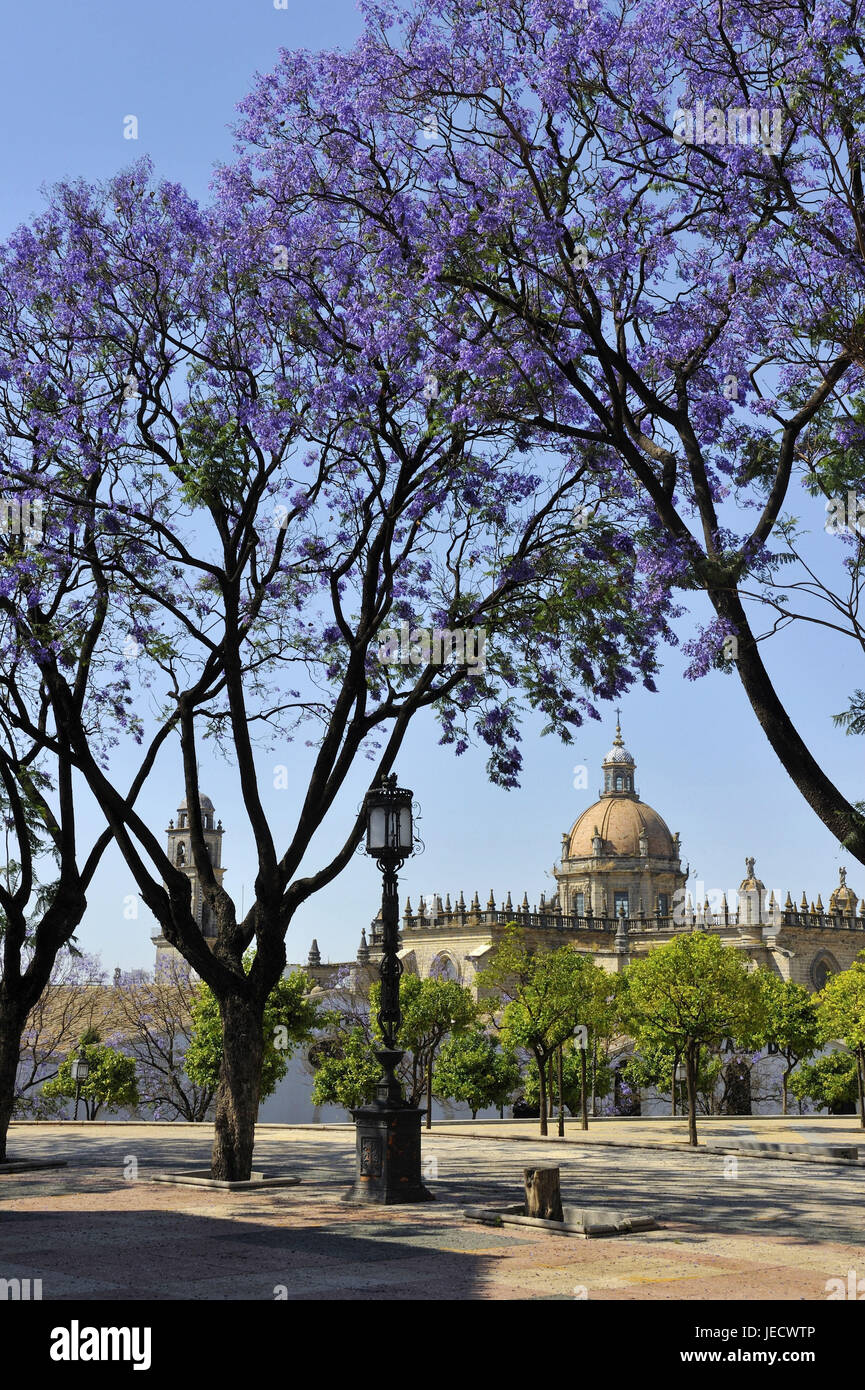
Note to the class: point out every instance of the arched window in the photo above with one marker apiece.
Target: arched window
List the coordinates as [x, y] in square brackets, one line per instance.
[823, 966]
[182, 820]
[181, 853]
[444, 968]
[620, 783]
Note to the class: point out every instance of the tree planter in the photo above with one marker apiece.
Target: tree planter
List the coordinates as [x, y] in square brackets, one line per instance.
[200, 1177]
[587, 1222]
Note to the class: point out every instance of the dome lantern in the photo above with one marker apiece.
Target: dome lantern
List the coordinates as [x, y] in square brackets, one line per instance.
[618, 767]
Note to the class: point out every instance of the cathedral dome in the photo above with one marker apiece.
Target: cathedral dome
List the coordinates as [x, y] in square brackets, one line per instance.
[621, 822]
[206, 804]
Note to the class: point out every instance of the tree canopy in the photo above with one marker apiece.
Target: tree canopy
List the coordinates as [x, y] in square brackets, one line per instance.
[688, 994]
[618, 206]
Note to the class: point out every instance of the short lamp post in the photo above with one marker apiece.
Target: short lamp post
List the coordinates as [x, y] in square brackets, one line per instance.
[582, 1036]
[80, 1070]
[678, 1077]
[388, 1152]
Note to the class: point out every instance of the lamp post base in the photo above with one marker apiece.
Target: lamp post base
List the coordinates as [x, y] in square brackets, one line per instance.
[388, 1155]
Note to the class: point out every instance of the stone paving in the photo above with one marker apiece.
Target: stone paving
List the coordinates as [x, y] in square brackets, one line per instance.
[776, 1230]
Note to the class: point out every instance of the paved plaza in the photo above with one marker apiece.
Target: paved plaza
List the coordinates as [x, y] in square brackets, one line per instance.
[754, 1228]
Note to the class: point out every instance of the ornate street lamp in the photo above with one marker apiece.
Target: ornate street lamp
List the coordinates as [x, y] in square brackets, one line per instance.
[388, 1156]
[80, 1070]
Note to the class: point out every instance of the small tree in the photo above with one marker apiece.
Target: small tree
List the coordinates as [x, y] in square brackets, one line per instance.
[473, 1068]
[830, 1081]
[692, 992]
[791, 1022]
[71, 1004]
[431, 1011]
[346, 1070]
[290, 1018]
[544, 995]
[111, 1083]
[841, 1011]
[153, 1014]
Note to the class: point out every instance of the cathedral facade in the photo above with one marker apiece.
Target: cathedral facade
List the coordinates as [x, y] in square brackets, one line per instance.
[620, 890]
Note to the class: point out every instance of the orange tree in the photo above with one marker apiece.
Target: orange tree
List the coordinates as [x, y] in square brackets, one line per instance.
[688, 994]
[537, 999]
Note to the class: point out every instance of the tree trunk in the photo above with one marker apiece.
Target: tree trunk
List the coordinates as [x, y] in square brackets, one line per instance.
[429, 1068]
[594, 1078]
[691, 1055]
[821, 794]
[860, 1066]
[543, 1197]
[561, 1096]
[673, 1087]
[784, 1079]
[10, 1051]
[583, 1093]
[239, 1084]
[542, 1093]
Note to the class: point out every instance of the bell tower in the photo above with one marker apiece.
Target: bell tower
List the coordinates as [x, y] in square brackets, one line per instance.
[180, 854]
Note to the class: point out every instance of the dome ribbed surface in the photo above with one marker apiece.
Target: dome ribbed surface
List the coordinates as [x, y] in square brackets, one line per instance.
[620, 821]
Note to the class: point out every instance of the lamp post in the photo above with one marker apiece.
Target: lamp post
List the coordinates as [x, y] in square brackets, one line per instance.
[561, 1094]
[582, 1035]
[388, 1152]
[80, 1070]
[678, 1078]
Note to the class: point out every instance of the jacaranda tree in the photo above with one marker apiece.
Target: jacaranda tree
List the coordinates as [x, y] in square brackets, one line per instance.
[266, 522]
[647, 222]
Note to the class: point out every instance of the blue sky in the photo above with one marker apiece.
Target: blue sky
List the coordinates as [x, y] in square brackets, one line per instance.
[72, 74]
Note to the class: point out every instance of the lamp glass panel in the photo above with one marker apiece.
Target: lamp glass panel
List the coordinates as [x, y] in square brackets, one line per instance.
[405, 830]
[377, 831]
